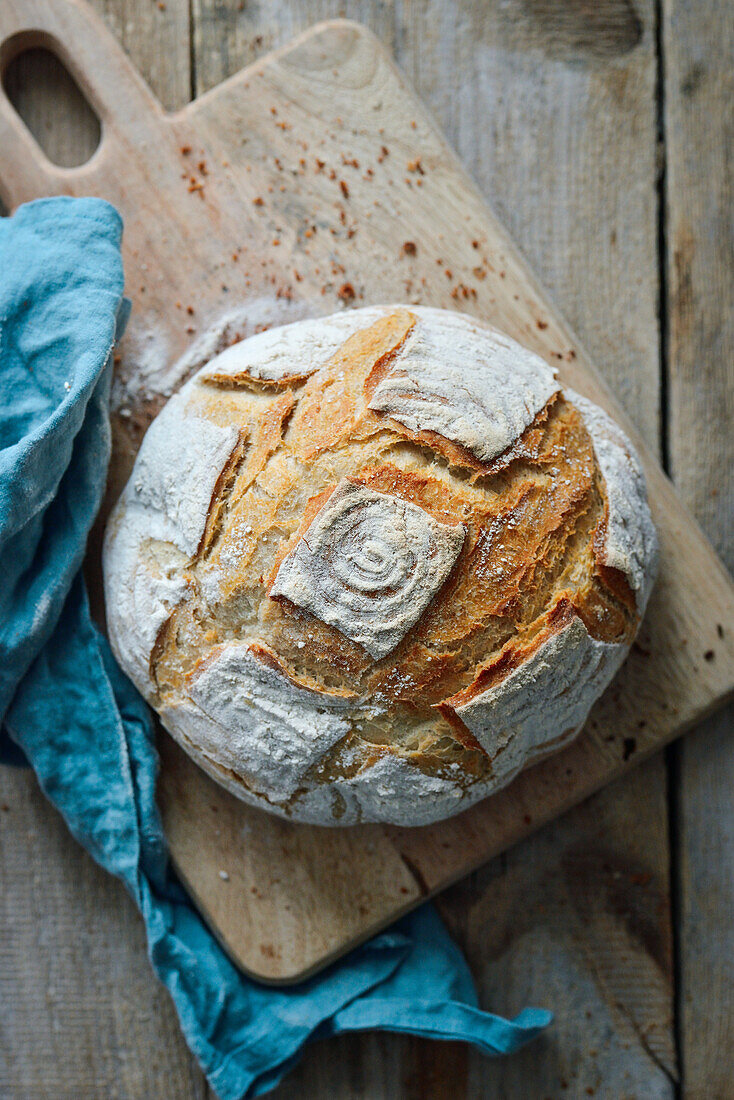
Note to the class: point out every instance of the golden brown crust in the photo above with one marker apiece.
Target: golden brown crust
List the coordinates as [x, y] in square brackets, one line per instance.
[512, 655]
[222, 489]
[528, 527]
[334, 400]
[612, 579]
[313, 507]
[269, 657]
[243, 380]
[521, 514]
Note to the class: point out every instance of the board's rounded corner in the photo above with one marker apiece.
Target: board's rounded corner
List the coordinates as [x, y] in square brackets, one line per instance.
[339, 27]
[343, 25]
[328, 956]
[329, 43]
[287, 976]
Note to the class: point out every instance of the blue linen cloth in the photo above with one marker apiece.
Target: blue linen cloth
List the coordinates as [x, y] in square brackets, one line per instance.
[87, 732]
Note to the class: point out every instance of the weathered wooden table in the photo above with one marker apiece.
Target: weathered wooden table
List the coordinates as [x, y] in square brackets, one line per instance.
[602, 134]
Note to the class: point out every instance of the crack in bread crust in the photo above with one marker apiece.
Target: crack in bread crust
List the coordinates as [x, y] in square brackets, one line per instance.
[535, 518]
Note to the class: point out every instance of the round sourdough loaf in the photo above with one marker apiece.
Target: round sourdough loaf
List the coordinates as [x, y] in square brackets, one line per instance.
[367, 567]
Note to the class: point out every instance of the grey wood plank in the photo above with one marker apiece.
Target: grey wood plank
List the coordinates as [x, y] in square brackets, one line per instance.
[81, 1012]
[229, 34]
[698, 46]
[156, 35]
[552, 108]
[572, 919]
[556, 119]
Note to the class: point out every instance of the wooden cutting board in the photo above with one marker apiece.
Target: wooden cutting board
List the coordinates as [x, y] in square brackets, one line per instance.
[313, 181]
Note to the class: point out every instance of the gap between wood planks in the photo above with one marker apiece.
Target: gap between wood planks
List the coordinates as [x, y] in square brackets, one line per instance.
[672, 760]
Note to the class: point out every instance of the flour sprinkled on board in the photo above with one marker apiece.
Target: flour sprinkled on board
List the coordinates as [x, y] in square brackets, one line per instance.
[146, 370]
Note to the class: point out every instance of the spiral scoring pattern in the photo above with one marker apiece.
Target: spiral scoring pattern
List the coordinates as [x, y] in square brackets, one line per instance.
[369, 565]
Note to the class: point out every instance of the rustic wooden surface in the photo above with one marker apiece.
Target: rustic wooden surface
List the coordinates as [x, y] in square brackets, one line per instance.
[297, 898]
[224, 173]
[574, 113]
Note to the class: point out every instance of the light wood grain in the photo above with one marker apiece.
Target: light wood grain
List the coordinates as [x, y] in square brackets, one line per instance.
[191, 181]
[575, 918]
[699, 128]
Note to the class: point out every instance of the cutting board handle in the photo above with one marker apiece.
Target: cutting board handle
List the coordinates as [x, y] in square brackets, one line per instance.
[72, 31]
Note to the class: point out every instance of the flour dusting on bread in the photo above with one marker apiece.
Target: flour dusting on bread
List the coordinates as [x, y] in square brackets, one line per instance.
[565, 668]
[471, 386]
[369, 564]
[368, 567]
[276, 729]
[630, 542]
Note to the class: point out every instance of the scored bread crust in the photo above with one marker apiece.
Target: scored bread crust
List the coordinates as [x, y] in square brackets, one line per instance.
[370, 566]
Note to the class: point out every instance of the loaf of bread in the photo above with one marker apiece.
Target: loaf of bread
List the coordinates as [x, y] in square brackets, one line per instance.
[369, 566]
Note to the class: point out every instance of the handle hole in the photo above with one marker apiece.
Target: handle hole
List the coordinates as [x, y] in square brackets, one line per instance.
[50, 103]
